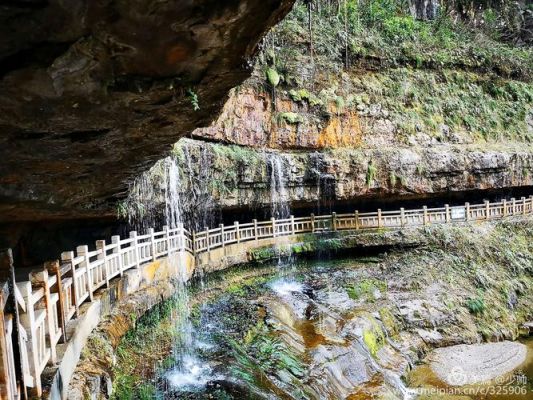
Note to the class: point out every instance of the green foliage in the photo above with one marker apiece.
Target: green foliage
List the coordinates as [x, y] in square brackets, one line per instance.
[193, 98]
[290, 118]
[385, 29]
[236, 289]
[273, 77]
[476, 305]
[152, 332]
[393, 179]
[339, 102]
[488, 96]
[262, 253]
[486, 108]
[373, 336]
[371, 173]
[122, 209]
[371, 342]
[261, 354]
[366, 288]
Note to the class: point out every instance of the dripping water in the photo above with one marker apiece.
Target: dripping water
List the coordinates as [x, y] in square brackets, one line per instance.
[156, 199]
[279, 195]
[172, 195]
[187, 370]
[200, 207]
[280, 209]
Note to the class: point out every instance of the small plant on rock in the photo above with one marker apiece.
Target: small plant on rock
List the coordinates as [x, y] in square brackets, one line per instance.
[371, 173]
[476, 305]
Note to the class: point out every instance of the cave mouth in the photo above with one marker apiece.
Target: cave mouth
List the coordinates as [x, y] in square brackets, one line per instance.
[38, 242]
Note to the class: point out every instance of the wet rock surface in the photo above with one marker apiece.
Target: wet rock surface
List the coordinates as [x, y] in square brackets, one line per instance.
[467, 364]
[349, 327]
[226, 177]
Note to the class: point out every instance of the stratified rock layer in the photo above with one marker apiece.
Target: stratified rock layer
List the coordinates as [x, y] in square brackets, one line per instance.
[468, 364]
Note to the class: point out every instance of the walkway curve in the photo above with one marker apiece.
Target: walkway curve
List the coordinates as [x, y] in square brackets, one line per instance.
[44, 305]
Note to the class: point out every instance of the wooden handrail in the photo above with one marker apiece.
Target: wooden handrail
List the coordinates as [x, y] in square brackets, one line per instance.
[58, 291]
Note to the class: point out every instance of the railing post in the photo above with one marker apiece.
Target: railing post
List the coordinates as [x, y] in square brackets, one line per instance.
[40, 279]
[68, 257]
[425, 216]
[273, 222]
[524, 204]
[8, 389]
[505, 208]
[85, 264]
[207, 244]
[334, 221]
[167, 237]
[222, 241]
[487, 209]
[293, 230]
[380, 224]
[513, 201]
[28, 321]
[402, 216]
[531, 204]
[237, 231]
[467, 211]
[194, 243]
[312, 222]
[116, 250]
[100, 245]
[447, 212]
[152, 242]
[255, 230]
[356, 216]
[54, 268]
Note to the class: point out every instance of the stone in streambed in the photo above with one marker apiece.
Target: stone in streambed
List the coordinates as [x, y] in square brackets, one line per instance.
[468, 364]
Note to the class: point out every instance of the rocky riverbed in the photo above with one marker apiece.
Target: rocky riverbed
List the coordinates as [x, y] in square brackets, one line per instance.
[338, 325]
[350, 327]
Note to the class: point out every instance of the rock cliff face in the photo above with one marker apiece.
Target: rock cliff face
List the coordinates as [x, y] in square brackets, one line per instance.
[216, 176]
[92, 93]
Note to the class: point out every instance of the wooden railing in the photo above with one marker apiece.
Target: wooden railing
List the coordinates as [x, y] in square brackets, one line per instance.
[43, 305]
[210, 239]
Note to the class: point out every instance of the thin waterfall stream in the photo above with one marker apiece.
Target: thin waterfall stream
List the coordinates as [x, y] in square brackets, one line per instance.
[284, 327]
[185, 370]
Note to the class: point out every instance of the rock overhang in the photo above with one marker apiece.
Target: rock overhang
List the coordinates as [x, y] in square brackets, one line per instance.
[92, 93]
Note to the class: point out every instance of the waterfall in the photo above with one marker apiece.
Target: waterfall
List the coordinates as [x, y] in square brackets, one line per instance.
[197, 179]
[173, 209]
[154, 198]
[157, 198]
[279, 195]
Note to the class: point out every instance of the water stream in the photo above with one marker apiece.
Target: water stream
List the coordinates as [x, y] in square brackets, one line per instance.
[279, 194]
[185, 370]
[263, 337]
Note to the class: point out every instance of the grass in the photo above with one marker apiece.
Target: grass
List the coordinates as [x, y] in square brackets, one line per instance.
[433, 77]
[146, 344]
[482, 268]
[371, 173]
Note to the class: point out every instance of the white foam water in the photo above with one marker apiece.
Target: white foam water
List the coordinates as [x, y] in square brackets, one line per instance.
[285, 287]
[192, 374]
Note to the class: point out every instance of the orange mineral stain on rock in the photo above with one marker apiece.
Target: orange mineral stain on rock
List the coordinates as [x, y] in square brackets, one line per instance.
[341, 132]
[177, 53]
[150, 270]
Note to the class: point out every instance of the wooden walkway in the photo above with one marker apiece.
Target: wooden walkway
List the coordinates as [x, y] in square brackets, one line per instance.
[34, 313]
